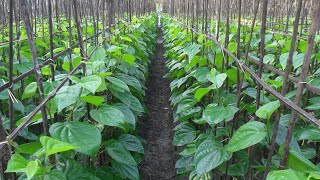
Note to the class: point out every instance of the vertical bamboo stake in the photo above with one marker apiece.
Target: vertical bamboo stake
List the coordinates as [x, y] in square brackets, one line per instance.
[7, 152]
[51, 38]
[130, 11]
[98, 19]
[218, 21]
[11, 117]
[36, 67]
[192, 23]
[79, 31]
[226, 41]
[104, 24]
[262, 36]
[289, 6]
[70, 38]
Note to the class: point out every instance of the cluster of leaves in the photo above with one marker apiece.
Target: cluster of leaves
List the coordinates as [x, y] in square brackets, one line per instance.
[277, 47]
[95, 136]
[205, 108]
[22, 60]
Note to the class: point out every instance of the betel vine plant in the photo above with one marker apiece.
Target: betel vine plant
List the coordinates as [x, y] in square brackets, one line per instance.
[21, 47]
[277, 47]
[95, 137]
[204, 109]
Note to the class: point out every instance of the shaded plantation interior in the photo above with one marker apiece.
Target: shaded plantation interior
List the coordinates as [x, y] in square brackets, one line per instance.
[159, 89]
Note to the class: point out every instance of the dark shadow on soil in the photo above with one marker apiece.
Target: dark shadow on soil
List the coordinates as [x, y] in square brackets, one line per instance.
[156, 128]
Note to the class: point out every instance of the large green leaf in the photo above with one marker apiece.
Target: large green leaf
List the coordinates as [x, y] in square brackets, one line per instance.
[232, 75]
[267, 110]
[192, 64]
[282, 175]
[232, 47]
[122, 86]
[192, 50]
[36, 119]
[187, 114]
[131, 101]
[95, 100]
[109, 116]
[303, 45]
[206, 176]
[29, 148]
[126, 171]
[269, 58]
[83, 135]
[308, 153]
[113, 49]
[74, 171]
[297, 60]
[284, 57]
[23, 66]
[298, 162]
[107, 172]
[32, 168]
[131, 143]
[310, 135]
[186, 103]
[188, 150]
[126, 38]
[91, 82]
[53, 146]
[128, 114]
[99, 54]
[18, 106]
[214, 114]
[129, 58]
[184, 162]
[67, 96]
[55, 175]
[247, 135]
[201, 92]
[184, 134]
[17, 163]
[209, 155]
[130, 81]
[119, 153]
[253, 93]
[201, 74]
[281, 137]
[30, 90]
[3, 94]
[268, 38]
[217, 80]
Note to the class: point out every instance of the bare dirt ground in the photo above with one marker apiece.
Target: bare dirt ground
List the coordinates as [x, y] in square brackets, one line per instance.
[156, 128]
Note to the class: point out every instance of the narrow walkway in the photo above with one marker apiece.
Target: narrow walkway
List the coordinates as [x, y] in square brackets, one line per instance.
[158, 162]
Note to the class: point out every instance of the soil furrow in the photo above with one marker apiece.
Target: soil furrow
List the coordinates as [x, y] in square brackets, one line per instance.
[156, 128]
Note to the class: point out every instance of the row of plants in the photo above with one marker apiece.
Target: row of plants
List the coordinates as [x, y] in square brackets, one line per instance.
[93, 120]
[215, 134]
[63, 37]
[277, 47]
